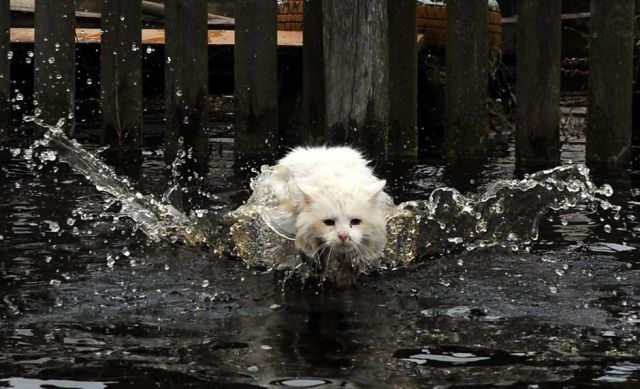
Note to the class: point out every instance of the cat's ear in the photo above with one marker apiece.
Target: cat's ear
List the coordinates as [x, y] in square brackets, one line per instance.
[375, 189]
[307, 193]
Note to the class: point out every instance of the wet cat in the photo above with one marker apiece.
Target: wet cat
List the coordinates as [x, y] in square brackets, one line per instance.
[335, 206]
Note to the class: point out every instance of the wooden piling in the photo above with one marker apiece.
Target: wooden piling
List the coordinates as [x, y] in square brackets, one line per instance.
[403, 80]
[121, 73]
[466, 79]
[186, 79]
[55, 58]
[313, 92]
[610, 82]
[256, 83]
[538, 83]
[356, 71]
[5, 83]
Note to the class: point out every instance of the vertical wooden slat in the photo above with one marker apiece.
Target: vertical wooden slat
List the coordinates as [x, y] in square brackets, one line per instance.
[313, 93]
[186, 78]
[466, 79]
[5, 106]
[256, 83]
[121, 73]
[55, 58]
[403, 80]
[356, 70]
[610, 82]
[538, 82]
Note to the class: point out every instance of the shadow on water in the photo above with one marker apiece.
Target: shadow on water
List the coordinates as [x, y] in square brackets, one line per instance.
[88, 301]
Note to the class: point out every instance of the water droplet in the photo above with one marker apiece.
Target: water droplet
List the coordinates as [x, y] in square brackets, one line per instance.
[48, 258]
[19, 97]
[110, 261]
[553, 289]
[51, 60]
[252, 369]
[89, 81]
[150, 50]
[55, 282]
[179, 92]
[168, 59]
[205, 283]
[10, 54]
[607, 228]
[53, 226]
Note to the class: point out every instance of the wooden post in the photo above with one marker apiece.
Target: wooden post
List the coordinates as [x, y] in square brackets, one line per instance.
[356, 71]
[256, 82]
[538, 82]
[121, 73]
[313, 93]
[55, 58]
[610, 82]
[5, 86]
[186, 79]
[403, 80]
[466, 79]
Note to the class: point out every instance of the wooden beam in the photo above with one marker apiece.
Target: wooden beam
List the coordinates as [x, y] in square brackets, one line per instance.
[403, 81]
[186, 80]
[5, 62]
[121, 74]
[538, 83]
[313, 92]
[55, 58]
[466, 79]
[356, 71]
[256, 83]
[157, 36]
[610, 82]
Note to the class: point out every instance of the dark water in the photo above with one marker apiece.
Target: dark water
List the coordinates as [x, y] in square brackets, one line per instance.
[87, 301]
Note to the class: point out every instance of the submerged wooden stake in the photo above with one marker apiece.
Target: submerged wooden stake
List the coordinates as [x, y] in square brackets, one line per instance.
[256, 83]
[5, 86]
[313, 92]
[610, 82]
[55, 58]
[466, 79]
[356, 71]
[403, 80]
[538, 82]
[121, 73]
[186, 79]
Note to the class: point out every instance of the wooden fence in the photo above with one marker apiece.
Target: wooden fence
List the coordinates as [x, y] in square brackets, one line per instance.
[359, 77]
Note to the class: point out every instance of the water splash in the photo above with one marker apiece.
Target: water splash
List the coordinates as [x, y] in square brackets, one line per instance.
[157, 219]
[507, 214]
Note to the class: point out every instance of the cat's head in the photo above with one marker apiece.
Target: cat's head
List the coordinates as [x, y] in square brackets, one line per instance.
[344, 222]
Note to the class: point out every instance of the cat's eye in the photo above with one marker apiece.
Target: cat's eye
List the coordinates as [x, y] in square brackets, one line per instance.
[329, 222]
[355, 222]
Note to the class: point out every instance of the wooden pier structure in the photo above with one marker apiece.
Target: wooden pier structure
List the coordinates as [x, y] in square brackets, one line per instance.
[359, 76]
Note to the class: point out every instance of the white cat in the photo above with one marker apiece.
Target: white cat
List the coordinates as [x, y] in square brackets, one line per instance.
[335, 206]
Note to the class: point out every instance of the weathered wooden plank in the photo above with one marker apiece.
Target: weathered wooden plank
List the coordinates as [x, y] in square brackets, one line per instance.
[156, 36]
[256, 113]
[55, 58]
[313, 92]
[610, 82]
[121, 74]
[186, 79]
[403, 81]
[538, 82]
[5, 82]
[356, 70]
[466, 79]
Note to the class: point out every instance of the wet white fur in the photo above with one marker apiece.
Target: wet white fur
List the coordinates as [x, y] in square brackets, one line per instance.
[320, 183]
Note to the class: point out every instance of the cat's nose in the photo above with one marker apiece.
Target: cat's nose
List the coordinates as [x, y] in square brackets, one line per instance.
[343, 236]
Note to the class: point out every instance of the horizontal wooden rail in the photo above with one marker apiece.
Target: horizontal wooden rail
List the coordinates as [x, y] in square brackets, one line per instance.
[156, 36]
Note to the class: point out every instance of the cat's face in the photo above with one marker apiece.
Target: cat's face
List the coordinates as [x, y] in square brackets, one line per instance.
[351, 224]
